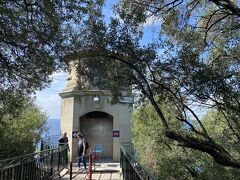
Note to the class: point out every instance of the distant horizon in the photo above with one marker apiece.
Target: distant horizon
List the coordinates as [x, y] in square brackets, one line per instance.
[53, 125]
[50, 119]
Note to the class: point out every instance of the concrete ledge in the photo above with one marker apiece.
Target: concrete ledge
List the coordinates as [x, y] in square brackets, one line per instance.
[84, 93]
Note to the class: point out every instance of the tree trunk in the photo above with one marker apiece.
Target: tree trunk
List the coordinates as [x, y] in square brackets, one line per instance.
[220, 155]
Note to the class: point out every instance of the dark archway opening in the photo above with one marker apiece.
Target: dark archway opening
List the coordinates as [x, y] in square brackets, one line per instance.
[97, 128]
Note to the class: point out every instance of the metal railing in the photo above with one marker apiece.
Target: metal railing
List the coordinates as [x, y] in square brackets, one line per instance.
[36, 166]
[49, 142]
[130, 166]
[91, 165]
[91, 157]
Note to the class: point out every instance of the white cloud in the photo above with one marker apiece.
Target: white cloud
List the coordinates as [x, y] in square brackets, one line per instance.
[58, 74]
[152, 21]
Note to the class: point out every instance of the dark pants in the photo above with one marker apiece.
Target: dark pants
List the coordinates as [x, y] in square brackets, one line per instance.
[63, 156]
[82, 159]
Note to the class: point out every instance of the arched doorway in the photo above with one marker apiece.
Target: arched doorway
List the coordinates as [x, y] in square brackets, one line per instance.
[97, 127]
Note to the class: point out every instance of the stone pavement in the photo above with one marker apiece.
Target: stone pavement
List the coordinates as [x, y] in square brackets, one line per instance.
[103, 171]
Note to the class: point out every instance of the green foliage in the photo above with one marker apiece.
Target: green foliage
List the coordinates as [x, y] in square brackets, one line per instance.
[166, 160]
[35, 37]
[219, 128]
[194, 62]
[153, 147]
[20, 131]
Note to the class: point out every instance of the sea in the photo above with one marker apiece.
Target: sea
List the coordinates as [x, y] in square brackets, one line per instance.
[51, 134]
[53, 128]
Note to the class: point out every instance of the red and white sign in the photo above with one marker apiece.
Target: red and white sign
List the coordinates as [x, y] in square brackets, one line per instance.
[116, 133]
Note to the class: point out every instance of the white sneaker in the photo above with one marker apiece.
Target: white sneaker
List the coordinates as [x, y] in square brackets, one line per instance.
[78, 169]
[85, 171]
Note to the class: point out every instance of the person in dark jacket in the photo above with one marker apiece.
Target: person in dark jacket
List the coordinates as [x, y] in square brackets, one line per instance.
[62, 141]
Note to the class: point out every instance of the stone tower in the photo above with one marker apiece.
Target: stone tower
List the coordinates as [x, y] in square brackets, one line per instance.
[90, 111]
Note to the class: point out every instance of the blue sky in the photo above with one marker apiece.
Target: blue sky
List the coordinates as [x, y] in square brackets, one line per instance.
[49, 100]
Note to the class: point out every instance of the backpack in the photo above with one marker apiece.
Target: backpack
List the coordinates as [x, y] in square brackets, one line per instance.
[87, 145]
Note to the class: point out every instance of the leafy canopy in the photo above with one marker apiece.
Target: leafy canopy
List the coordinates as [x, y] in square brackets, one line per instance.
[20, 131]
[166, 159]
[193, 62]
[35, 36]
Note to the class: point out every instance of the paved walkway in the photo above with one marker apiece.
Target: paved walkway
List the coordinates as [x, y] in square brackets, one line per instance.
[106, 171]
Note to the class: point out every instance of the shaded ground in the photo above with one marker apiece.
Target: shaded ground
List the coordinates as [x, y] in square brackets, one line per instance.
[106, 171]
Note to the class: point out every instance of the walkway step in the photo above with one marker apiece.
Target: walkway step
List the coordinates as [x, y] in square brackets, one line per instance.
[103, 171]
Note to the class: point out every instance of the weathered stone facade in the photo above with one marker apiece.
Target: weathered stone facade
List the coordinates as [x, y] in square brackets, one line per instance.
[91, 112]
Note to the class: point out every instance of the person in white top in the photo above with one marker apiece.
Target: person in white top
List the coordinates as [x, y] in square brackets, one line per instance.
[81, 151]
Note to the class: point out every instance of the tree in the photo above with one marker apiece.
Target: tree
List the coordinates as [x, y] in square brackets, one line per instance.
[195, 67]
[20, 131]
[35, 36]
[166, 160]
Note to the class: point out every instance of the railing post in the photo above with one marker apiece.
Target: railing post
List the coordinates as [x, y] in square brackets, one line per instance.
[94, 159]
[59, 156]
[41, 145]
[22, 169]
[49, 141]
[90, 166]
[51, 163]
[70, 170]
